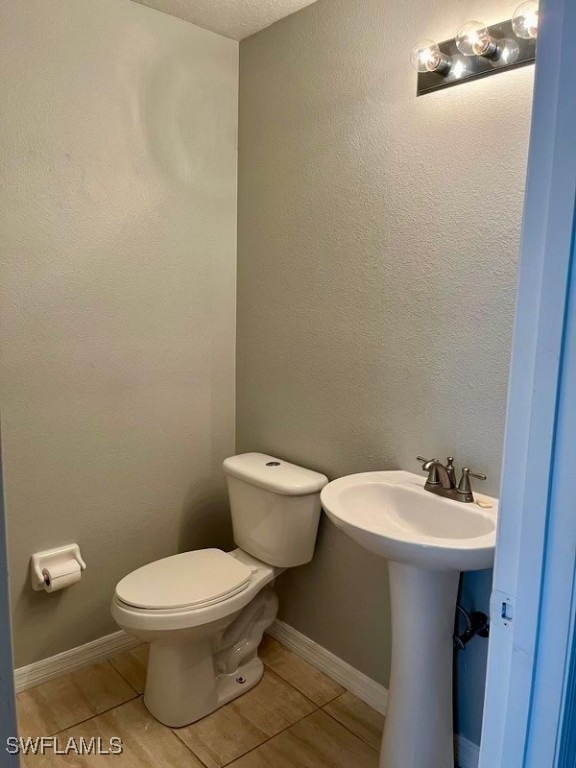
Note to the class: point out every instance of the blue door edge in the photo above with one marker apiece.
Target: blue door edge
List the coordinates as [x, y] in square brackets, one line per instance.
[529, 499]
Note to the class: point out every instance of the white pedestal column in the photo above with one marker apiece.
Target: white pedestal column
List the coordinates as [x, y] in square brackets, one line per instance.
[418, 732]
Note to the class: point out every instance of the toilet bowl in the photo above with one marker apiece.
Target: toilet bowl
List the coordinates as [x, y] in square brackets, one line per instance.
[204, 612]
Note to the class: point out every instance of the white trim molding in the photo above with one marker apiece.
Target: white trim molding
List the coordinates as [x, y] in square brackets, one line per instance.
[353, 680]
[369, 691]
[69, 661]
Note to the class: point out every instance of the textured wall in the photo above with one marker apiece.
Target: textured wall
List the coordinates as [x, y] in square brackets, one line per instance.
[118, 225]
[378, 247]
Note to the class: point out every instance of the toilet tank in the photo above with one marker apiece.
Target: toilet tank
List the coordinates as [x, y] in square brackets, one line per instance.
[275, 508]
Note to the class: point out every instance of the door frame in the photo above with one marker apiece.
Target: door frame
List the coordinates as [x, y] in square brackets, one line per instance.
[8, 722]
[534, 594]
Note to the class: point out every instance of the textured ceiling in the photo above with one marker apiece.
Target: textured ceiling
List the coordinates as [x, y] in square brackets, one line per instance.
[233, 18]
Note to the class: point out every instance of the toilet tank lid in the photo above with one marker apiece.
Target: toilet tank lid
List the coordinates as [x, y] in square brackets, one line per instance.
[274, 474]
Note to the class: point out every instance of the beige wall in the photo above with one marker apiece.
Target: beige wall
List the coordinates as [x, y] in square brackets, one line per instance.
[378, 248]
[118, 296]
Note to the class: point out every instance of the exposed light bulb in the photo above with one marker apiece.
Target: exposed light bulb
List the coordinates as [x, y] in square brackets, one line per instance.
[427, 57]
[525, 20]
[474, 39]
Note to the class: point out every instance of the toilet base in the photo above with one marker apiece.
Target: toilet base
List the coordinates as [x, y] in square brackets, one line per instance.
[178, 711]
[232, 685]
[191, 675]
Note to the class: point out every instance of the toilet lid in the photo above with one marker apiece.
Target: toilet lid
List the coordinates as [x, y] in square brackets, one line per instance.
[191, 579]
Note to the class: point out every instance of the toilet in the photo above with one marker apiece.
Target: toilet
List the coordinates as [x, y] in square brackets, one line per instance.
[204, 612]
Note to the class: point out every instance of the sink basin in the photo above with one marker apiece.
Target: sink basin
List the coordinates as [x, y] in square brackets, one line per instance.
[390, 514]
[427, 540]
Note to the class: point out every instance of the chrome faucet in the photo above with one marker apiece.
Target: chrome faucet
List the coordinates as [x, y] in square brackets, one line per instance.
[442, 479]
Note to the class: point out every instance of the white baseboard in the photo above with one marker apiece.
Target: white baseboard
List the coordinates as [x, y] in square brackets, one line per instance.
[353, 680]
[362, 686]
[47, 669]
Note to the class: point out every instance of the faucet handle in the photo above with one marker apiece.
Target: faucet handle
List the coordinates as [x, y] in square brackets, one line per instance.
[464, 487]
[450, 468]
[433, 478]
[477, 475]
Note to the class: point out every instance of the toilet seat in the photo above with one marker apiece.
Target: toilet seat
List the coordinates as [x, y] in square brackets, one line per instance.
[191, 580]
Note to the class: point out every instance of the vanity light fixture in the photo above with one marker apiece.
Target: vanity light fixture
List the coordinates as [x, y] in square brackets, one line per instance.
[474, 39]
[427, 57]
[525, 20]
[478, 50]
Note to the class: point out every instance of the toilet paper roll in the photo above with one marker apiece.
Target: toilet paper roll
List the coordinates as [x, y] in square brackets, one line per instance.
[61, 575]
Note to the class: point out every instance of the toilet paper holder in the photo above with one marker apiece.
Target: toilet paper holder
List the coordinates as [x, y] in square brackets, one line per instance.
[49, 558]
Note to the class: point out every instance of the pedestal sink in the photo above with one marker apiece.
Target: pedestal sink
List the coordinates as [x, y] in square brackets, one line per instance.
[427, 540]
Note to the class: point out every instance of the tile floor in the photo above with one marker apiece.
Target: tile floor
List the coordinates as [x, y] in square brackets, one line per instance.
[296, 717]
